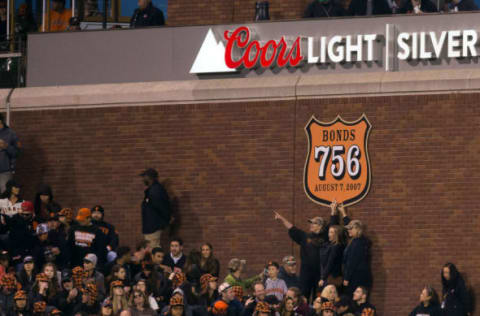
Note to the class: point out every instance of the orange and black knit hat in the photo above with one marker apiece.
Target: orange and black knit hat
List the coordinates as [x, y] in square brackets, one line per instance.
[220, 308]
[67, 212]
[116, 283]
[368, 312]
[179, 279]
[176, 301]
[39, 307]
[20, 295]
[205, 279]
[42, 277]
[328, 306]
[238, 292]
[78, 275]
[8, 281]
[263, 307]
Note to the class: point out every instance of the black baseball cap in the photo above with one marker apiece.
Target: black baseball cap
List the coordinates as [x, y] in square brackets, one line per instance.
[150, 172]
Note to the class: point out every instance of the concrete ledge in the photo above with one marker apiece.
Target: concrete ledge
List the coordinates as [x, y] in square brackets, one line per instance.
[244, 89]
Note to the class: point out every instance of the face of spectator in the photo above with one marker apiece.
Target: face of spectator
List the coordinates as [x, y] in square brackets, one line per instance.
[15, 191]
[177, 310]
[21, 304]
[138, 299]
[49, 272]
[259, 291]
[206, 251]
[121, 274]
[118, 291]
[52, 224]
[141, 286]
[228, 295]
[317, 304]
[146, 179]
[28, 266]
[291, 294]
[331, 292]
[328, 313]
[62, 219]
[263, 314]
[43, 286]
[142, 4]
[175, 248]
[424, 297]
[158, 257]
[315, 228]
[85, 222]
[341, 309]
[272, 272]
[354, 232]
[332, 235]
[446, 273]
[107, 311]
[85, 297]
[43, 237]
[87, 265]
[289, 305]
[44, 198]
[290, 268]
[358, 295]
[213, 285]
[68, 285]
[97, 216]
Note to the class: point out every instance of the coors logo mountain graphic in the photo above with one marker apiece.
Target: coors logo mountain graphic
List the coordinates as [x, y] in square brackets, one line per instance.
[242, 51]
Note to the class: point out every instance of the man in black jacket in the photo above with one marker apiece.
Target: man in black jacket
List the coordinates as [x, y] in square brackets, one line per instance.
[111, 235]
[310, 244]
[288, 272]
[147, 15]
[156, 210]
[86, 238]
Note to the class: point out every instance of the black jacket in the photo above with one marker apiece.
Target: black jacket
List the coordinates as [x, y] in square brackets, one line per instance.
[111, 235]
[156, 210]
[430, 310]
[356, 262]
[318, 9]
[456, 299]
[425, 6]
[331, 258]
[359, 7]
[168, 261]
[291, 280]
[83, 240]
[22, 235]
[25, 281]
[150, 16]
[310, 244]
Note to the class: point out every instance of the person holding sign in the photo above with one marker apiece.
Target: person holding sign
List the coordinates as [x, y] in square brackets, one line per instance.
[310, 244]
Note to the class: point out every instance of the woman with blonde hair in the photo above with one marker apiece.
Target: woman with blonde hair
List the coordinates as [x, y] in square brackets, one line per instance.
[331, 257]
[119, 299]
[329, 294]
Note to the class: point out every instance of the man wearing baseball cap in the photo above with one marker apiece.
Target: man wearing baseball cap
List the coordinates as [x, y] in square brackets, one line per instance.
[310, 244]
[111, 235]
[288, 272]
[86, 238]
[156, 210]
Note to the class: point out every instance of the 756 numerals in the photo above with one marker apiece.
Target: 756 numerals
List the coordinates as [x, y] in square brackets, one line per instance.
[338, 168]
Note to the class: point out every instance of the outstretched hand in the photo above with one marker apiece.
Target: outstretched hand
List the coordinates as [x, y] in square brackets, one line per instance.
[277, 215]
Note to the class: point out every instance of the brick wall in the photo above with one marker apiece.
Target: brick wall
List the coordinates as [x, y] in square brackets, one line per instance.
[187, 12]
[229, 165]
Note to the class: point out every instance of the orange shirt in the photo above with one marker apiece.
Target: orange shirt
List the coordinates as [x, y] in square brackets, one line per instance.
[58, 21]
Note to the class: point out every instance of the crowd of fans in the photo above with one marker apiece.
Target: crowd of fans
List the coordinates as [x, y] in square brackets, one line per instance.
[55, 262]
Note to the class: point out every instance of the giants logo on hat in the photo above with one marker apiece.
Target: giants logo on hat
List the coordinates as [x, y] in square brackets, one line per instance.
[337, 166]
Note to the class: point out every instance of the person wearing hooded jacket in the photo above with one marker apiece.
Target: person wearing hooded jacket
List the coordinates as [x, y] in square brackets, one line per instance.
[310, 244]
[44, 203]
[456, 299]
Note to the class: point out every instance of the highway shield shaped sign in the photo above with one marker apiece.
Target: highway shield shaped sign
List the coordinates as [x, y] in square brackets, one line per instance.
[337, 166]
